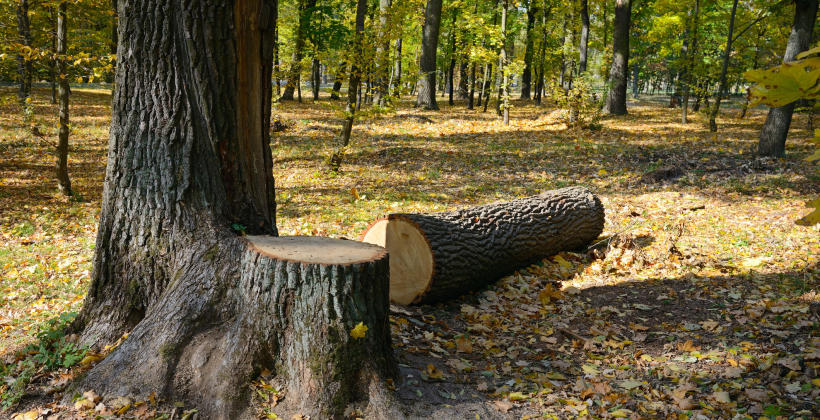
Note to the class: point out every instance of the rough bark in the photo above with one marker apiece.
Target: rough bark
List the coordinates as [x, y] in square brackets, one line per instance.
[616, 99]
[723, 71]
[526, 75]
[24, 67]
[776, 128]
[293, 83]
[427, 64]
[475, 246]
[189, 163]
[63, 182]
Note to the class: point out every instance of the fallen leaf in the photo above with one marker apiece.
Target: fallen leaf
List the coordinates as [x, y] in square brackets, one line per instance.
[359, 331]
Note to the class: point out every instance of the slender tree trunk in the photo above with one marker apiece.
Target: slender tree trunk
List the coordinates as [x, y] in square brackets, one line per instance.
[451, 69]
[616, 100]
[776, 128]
[52, 62]
[690, 63]
[582, 49]
[427, 65]
[63, 182]
[337, 82]
[112, 42]
[315, 79]
[471, 96]
[24, 68]
[539, 87]
[294, 73]
[277, 73]
[397, 70]
[526, 75]
[724, 69]
[502, 67]
[356, 59]
[382, 62]
[635, 79]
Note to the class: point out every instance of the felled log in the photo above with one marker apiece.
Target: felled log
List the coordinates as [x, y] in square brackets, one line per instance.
[436, 256]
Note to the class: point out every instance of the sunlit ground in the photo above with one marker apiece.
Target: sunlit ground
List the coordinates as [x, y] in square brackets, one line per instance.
[704, 304]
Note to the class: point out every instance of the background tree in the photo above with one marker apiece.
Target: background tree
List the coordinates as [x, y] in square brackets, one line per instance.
[427, 63]
[773, 134]
[616, 99]
[63, 182]
[724, 69]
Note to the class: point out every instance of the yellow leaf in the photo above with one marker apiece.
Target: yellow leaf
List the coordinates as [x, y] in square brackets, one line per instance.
[464, 345]
[562, 262]
[355, 193]
[28, 415]
[433, 372]
[90, 358]
[816, 382]
[602, 172]
[815, 156]
[359, 331]
[517, 396]
[804, 54]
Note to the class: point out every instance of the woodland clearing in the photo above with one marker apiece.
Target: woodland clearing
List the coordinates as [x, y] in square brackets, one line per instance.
[704, 303]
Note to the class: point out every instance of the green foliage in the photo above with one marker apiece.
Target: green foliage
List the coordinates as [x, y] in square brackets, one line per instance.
[784, 84]
[581, 102]
[51, 352]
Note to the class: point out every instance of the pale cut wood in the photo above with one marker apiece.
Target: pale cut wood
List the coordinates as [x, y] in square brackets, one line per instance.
[315, 249]
[411, 260]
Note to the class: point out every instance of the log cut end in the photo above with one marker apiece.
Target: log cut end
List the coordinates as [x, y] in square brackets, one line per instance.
[411, 259]
[315, 249]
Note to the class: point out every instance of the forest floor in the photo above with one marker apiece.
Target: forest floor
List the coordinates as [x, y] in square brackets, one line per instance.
[703, 304]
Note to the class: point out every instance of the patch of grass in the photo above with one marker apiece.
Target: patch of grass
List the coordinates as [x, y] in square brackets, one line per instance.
[50, 353]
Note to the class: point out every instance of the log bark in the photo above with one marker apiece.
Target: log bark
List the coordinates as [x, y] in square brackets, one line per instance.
[205, 308]
[437, 256]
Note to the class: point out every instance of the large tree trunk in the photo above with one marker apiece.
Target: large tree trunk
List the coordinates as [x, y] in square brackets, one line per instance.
[24, 68]
[437, 256]
[616, 99]
[723, 70]
[294, 73]
[63, 182]
[189, 164]
[526, 75]
[776, 128]
[427, 64]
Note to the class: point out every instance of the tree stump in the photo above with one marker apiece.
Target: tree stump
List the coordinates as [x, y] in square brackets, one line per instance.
[291, 308]
[436, 256]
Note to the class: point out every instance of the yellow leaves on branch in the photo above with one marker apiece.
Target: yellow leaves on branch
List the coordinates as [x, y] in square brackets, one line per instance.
[359, 331]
